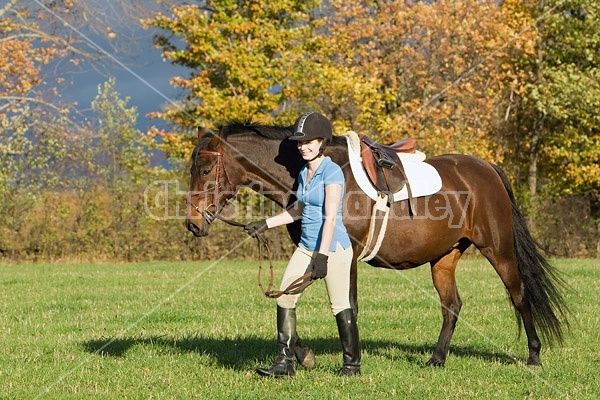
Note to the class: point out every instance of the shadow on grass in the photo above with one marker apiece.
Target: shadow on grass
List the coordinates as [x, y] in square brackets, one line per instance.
[238, 353]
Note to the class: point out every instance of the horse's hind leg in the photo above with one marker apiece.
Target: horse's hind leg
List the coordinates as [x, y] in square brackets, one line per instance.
[506, 267]
[442, 271]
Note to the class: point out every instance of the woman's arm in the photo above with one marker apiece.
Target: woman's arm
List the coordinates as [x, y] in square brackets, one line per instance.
[333, 194]
[293, 213]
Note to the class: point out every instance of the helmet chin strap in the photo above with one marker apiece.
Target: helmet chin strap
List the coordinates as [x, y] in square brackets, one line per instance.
[321, 149]
[318, 155]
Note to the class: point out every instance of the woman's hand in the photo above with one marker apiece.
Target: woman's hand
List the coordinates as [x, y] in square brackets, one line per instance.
[256, 227]
[319, 266]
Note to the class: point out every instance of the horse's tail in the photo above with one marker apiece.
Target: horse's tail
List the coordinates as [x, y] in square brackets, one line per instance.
[542, 282]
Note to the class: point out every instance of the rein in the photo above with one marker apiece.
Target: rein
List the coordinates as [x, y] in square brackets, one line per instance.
[298, 285]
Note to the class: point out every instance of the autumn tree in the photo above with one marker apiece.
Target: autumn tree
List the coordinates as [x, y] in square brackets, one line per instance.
[239, 54]
[557, 123]
[442, 69]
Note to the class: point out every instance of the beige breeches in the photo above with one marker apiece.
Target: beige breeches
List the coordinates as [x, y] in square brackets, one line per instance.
[337, 279]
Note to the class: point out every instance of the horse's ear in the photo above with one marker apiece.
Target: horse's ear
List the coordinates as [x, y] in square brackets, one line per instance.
[214, 142]
[202, 131]
[208, 138]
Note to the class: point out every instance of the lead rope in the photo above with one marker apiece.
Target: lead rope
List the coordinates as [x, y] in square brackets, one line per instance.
[296, 287]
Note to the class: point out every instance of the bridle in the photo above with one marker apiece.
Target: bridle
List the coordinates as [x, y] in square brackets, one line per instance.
[207, 214]
[298, 285]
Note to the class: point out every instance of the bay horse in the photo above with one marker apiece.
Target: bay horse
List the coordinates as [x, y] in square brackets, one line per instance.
[438, 231]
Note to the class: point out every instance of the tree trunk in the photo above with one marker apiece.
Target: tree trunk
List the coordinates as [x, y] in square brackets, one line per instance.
[538, 128]
[533, 156]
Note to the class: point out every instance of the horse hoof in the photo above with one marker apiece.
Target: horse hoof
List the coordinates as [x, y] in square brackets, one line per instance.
[533, 361]
[435, 363]
[308, 361]
[304, 355]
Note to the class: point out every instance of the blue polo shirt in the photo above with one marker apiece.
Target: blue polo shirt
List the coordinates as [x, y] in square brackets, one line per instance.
[312, 197]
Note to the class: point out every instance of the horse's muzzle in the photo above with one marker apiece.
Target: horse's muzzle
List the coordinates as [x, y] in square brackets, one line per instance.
[196, 230]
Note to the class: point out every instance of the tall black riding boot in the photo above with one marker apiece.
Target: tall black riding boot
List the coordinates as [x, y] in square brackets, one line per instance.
[348, 331]
[286, 339]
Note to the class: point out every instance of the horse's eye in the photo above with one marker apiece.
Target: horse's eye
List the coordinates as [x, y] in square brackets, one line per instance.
[205, 172]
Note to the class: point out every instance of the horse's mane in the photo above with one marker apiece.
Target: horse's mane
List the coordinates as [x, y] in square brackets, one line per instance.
[236, 127]
[274, 132]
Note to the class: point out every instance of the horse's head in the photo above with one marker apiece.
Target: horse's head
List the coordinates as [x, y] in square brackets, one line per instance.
[210, 183]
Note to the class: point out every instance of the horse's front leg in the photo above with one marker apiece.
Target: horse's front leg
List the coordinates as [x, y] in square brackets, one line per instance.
[442, 272]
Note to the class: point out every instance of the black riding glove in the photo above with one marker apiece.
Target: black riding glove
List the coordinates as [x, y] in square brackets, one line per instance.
[319, 266]
[256, 227]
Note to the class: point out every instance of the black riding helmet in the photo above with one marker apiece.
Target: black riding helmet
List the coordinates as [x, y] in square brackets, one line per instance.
[311, 126]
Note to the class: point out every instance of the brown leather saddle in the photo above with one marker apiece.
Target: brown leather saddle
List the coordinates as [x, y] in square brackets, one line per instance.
[382, 164]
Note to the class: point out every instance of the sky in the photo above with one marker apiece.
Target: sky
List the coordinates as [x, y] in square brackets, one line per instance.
[140, 72]
[145, 82]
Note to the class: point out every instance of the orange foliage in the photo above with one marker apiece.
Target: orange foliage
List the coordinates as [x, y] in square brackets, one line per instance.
[441, 68]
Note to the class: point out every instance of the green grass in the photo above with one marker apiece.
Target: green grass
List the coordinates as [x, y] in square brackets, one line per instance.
[189, 330]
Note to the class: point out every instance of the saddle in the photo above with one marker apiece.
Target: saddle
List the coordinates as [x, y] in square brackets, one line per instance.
[382, 164]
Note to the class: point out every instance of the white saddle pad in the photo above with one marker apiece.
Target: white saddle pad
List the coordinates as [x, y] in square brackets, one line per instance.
[423, 178]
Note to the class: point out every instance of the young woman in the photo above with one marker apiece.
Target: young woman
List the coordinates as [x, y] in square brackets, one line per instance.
[324, 249]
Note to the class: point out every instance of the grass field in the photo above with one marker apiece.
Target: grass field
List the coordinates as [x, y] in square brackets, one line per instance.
[198, 330]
